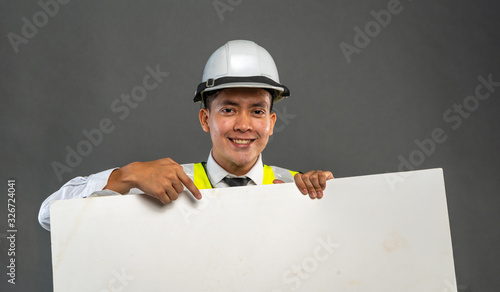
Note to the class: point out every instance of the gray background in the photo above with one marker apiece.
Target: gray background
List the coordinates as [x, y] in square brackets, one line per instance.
[352, 118]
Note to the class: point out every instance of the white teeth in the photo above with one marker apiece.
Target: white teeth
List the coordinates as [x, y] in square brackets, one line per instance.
[241, 141]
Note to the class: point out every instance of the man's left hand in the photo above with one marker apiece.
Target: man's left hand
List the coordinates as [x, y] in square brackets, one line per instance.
[313, 182]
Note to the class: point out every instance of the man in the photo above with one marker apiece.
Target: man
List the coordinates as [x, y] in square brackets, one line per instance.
[239, 86]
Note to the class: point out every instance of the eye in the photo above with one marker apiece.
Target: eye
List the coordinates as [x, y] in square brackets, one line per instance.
[259, 112]
[226, 110]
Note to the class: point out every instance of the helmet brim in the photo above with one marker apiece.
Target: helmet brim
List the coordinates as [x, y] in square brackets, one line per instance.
[246, 82]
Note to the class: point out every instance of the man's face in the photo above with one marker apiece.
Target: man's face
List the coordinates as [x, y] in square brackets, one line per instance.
[239, 122]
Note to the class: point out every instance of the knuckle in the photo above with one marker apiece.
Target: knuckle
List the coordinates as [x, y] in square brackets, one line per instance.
[170, 176]
[160, 196]
[158, 193]
[164, 199]
[179, 188]
[166, 161]
[190, 183]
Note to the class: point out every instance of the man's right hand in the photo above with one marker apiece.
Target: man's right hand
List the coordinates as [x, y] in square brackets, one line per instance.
[163, 179]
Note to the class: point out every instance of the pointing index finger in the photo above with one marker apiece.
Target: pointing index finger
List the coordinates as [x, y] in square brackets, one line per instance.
[189, 184]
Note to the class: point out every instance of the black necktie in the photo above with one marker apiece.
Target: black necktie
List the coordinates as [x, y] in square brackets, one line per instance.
[236, 181]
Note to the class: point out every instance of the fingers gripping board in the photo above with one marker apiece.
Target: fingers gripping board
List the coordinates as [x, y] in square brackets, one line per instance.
[386, 232]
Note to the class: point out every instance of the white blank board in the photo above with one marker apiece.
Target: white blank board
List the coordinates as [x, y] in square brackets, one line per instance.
[387, 232]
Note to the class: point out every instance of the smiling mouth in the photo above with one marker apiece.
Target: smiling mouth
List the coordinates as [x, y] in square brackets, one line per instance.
[242, 141]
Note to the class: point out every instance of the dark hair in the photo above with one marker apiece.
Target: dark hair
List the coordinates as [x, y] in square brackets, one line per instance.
[208, 97]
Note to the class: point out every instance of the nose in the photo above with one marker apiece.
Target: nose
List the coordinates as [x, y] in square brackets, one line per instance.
[243, 122]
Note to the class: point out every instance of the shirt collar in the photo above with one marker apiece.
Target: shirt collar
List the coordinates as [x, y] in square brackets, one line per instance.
[216, 173]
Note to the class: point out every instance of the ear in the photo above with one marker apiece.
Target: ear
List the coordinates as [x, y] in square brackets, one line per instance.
[273, 121]
[204, 113]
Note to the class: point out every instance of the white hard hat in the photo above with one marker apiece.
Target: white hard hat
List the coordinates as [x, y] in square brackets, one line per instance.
[241, 63]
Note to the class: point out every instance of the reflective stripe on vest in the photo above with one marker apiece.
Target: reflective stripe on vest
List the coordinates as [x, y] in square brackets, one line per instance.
[200, 177]
[202, 182]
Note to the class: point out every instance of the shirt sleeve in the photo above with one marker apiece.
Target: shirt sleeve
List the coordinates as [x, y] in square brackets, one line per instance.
[77, 188]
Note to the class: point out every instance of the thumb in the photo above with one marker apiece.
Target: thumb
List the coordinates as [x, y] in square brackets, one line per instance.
[278, 181]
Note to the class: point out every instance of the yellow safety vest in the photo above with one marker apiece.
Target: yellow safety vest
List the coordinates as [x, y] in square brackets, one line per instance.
[202, 182]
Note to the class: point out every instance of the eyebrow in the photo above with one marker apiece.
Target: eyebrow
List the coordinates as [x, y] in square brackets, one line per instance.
[232, 103]
[229, 102]
[260, 104]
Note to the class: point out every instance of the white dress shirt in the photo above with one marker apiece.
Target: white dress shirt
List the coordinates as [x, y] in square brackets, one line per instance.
[216, 173]
[93, 185]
